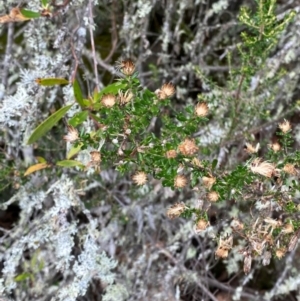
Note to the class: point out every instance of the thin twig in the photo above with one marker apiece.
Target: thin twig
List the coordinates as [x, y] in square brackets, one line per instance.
[91, 24]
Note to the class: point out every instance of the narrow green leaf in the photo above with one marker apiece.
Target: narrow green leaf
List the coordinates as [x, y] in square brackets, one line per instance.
[78, 118]
[74, 151]
[113, 89]
[44, 3]
[29, 14]
[69, 163]
[46, 125]
[22, 277]
[51, 81]
[78, 93]
[214, 164]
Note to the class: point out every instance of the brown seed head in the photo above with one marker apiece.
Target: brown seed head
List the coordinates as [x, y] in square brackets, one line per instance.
[140, 178]
[201, 225]
[180, 181]
[127, 67]
[175, 210]
[125, 97]
[280, 252]
[72, 135]
[108, 100]
[250, 149]
[171, 153]
[95, 157]
[201, 109]
[290, 169]
[275, 147]
[188, 147]
[196, 162]
[237, 225]
[213, 196]
[288, 228]
[285, 126]
[166, 91]
[208, 182]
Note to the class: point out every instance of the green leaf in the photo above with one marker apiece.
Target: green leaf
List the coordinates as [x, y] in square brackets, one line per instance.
[47, 125]
[74, 151]
[78, 118]
[214, 164]
[69, 163]
[51, 81]
[78, 93]
[113, 89]
[44, 3]
[29, 14]
[22, 277]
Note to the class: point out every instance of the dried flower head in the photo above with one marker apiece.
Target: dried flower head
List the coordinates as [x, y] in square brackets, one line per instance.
[263, 168]
[180, 181]
[188, 147]
[285, 126]
[140, 178]
[196, 162]
[127, 67]
[280, 252]
[108, 100]
[250, 149]
[275, 147]
[225, 244]
[72, 135]
[171, 153]
[208, 182]
[290, 169]
[166, 91]
[95, 160]
[288, 228]
[201, 225]
[201, 109]
[175, 210]
[95, 157]
[237, 225]
[213, 196]
[125, 97]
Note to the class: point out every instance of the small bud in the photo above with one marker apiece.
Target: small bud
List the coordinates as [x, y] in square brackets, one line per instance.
[201, 109]
[213, 196]
[125, 97]
[166, 91]
[275, 147]
[127, 67]
[285, 126]
[266, 258]
[290, 169]
[201, 225]
[250, 149]
[196, 162]
[188, 147]
[288, 228]
[171, 154]
[237, 225]
[140, 178]
[108, 100]
[72, 135]
[180, 181]
[208, 182]
[280, 252]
